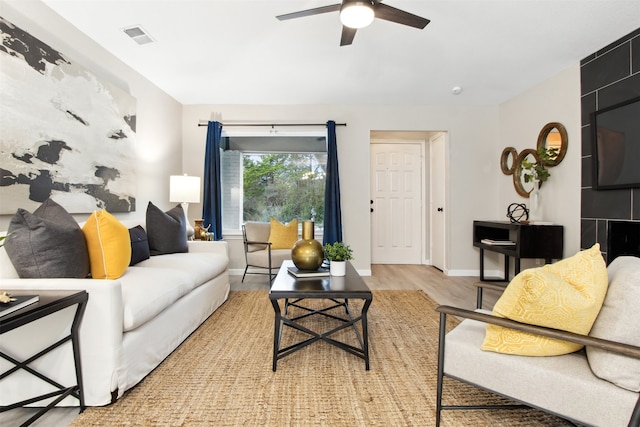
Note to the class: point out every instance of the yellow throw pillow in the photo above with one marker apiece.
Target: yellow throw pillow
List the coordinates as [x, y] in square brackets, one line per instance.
[566, 295]
[283, 236]
[109, 245]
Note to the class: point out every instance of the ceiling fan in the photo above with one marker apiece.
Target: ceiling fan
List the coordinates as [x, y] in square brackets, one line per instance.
[356, 14]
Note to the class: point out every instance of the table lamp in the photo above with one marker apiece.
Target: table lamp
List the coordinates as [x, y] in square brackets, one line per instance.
[185, 189]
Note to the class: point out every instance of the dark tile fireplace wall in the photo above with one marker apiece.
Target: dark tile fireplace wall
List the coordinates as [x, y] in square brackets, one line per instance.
[608, 77]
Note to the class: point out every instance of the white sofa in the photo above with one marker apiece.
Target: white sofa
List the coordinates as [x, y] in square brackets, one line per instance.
[129, 327]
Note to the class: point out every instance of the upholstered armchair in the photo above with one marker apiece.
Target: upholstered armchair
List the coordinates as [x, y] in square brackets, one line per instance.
[598, 385]
[260, 256]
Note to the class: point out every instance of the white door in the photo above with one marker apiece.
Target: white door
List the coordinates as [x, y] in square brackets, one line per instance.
[396, 203]
[437, 191]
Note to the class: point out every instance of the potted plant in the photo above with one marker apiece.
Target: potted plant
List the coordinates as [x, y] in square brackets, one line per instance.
[537, 172]
[338, 254]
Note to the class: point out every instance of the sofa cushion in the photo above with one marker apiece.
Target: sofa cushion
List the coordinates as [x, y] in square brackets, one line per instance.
[108, 244]
[139, 245]
[166, 231]
[146, 292]
[618, 321]
[152, 285]
[566, 295]
[47, 243]
[261, 258]
[283, 236]
[199, 266]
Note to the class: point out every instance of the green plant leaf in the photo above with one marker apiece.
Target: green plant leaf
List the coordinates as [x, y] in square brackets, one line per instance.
[338, 251]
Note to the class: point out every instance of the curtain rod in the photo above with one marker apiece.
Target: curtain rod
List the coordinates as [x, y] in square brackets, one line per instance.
[274, 124]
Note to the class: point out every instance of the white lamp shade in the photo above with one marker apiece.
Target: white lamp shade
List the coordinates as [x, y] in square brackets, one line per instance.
[184, 189]
[356, 14]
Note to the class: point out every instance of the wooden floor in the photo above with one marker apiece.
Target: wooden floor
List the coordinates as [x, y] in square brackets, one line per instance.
[456, 291]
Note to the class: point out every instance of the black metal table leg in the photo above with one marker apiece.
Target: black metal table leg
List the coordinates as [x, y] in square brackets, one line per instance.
[280, 321]
[277, 332]
[365, 332]
[75, 342]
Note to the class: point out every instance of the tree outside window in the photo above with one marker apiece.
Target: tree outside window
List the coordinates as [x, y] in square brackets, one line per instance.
[283, 186]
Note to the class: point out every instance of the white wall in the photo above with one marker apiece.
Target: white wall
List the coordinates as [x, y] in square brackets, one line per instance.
[158, 136]
[473, 142]
[170, 142]
[521, 119]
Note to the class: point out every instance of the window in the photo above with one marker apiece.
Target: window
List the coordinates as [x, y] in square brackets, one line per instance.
[264, 176]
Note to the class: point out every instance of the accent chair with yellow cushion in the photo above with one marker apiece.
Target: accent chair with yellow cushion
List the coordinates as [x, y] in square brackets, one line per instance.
[556, 309]
[267, 244]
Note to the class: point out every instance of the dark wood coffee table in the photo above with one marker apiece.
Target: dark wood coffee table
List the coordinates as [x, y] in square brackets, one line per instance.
[338, 290]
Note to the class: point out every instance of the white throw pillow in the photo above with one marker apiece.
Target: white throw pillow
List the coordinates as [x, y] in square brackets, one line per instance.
[618, 321]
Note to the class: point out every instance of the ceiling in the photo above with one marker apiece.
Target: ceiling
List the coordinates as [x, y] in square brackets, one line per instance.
[237, 52]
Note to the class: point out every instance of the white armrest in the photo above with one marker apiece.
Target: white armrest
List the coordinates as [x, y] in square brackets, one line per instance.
[218, 246]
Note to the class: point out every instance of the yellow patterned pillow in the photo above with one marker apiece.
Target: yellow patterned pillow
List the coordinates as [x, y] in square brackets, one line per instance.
[283, 236]
[109, 245]
[566, 295]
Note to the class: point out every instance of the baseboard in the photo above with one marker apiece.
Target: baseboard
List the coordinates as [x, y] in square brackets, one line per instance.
[474, 273]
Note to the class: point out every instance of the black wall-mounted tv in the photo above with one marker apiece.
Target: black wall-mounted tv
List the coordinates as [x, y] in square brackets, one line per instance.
[615, 132]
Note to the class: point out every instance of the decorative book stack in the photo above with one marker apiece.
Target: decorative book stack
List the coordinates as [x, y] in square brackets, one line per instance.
[19, 302]
[296, 272]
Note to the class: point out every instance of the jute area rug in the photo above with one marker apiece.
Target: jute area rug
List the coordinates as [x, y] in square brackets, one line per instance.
[221, 375]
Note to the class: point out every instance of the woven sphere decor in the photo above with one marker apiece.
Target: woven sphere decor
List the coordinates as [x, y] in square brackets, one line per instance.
[517, 212]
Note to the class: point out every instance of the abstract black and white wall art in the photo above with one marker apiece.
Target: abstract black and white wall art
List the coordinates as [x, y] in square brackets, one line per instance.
[65, 133]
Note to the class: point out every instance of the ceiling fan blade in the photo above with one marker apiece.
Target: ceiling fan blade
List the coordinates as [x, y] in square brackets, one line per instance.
[347, 35]
[388, 13]
[309, 12]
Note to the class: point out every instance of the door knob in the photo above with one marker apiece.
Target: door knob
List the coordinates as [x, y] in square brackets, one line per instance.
[440, 209]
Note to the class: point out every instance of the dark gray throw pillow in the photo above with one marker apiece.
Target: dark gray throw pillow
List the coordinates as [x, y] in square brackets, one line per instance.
[139, 245]
[166, 231]
[47, 243]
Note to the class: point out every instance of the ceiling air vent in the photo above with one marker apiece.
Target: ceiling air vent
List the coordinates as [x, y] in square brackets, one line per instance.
[138, 34]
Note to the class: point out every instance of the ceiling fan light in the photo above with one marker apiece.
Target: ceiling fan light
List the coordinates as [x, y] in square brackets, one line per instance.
[356, 14]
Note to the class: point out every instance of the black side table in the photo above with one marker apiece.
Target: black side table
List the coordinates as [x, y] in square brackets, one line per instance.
[49, 302]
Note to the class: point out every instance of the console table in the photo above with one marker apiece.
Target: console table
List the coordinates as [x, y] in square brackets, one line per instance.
[527, 241]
